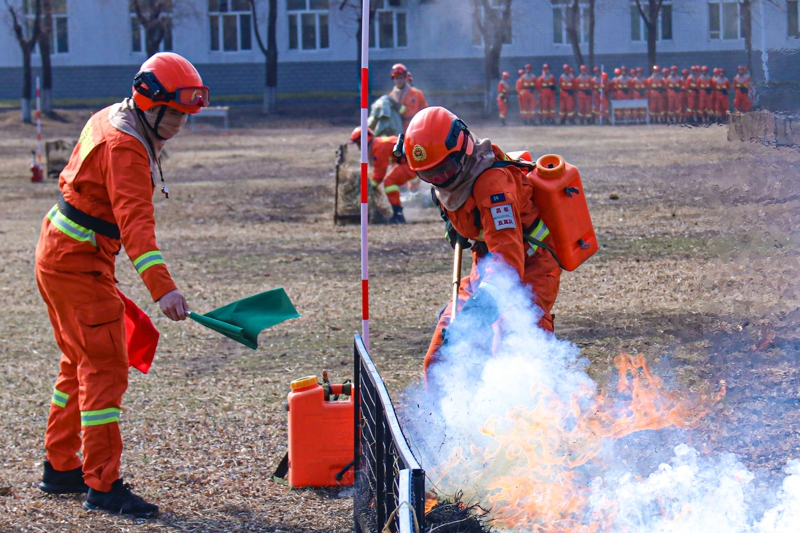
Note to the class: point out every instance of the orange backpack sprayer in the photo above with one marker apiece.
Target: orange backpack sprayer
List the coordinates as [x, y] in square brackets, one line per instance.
[558, 192]
[320, 433]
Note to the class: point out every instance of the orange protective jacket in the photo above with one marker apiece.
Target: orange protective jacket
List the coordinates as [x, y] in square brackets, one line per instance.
[546, 85]
[109, 176]
[381, 152]
[502, 91]
[414, 102]
[584, 86]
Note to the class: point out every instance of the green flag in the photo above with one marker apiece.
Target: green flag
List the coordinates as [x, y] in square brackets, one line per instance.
[244, 319]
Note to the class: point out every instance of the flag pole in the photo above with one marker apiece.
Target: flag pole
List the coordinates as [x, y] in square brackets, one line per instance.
[365, 4]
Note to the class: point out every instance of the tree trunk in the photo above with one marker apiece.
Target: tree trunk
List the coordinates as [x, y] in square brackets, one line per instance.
[747, 31]
[271, 100]
[44, 48]
[26, 84]
[591, 34]
[573, 30]
[153, 35]
[651, 44]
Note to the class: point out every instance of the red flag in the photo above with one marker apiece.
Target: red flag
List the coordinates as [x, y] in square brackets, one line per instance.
[142, 336]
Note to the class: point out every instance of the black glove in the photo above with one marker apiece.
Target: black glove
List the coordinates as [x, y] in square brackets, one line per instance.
[480, 311]
[453, 237]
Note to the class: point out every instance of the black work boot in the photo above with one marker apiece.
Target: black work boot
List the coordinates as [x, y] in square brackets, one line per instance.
[56, 482]
[398, 217]
[119, 501]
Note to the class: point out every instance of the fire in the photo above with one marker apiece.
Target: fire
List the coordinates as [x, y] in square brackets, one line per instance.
[431, 501]
[536, 473]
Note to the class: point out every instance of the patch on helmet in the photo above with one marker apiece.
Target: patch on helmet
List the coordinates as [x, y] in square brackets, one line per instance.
[419, 153]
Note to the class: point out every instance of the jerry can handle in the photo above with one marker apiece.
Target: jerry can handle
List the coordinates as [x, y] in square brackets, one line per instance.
[583, 244]
[572, 190]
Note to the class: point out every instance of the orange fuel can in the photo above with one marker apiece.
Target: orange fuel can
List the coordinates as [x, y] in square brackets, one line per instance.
[320, 433]
[558, 192]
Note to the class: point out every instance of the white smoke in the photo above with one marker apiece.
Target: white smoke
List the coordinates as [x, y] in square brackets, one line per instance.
[480, 377]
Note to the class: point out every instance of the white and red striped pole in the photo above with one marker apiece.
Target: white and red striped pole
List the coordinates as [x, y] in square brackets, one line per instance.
[365, 4]
[38, 124]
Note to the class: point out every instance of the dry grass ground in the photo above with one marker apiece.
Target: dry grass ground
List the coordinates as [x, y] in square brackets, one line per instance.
[698, 270]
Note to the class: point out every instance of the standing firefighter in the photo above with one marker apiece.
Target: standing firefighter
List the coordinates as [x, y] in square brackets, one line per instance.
[566, 95]
[547, 96]
[742, 86]
[705, 86]
[584, 86]
[527, 97]
[600, 96]
[722, 86]
[488, 200]
[106, 203]
[502, 97]
[675, 95]
[379, 155]
[407, 100]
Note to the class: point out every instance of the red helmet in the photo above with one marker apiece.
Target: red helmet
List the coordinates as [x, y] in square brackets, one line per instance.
[528, 66]
[545, 67]
[171, 80]
[623, 68]
[355, 137]
[521, 71]
[685, 72]
[435, 142]
[665, 71]
[741, 68]
[704, 68]
[505, 75]
[566, 66]
[597, 69]
[584, 68]
[674, 67]
[399, 69]
[655, 68]
[722, 70]
[617, 71]
[716, 71]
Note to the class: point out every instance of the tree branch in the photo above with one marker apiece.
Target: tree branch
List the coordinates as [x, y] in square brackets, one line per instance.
[257, 31]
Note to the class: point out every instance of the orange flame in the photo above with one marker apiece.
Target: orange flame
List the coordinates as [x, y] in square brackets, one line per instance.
[431, 501]
[531, 479]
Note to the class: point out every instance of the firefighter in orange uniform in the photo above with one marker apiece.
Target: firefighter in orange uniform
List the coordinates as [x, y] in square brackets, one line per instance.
[487, 200]
[639, 92]
[379, 155]
[655, 84]
[584, 86]
[502, 97]
[705, 87]
[622, 91]
[692, 94]
[106, 203]
[527, 96]
[407, 100]
[674, 95]
[546, 85]
[722, 87]
[566, 96]
[599, 96]
[742, 86]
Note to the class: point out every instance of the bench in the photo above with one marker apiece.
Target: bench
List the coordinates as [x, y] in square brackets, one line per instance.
[629, 104]
[217, 111]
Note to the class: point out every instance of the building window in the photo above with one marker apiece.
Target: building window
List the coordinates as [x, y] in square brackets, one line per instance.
[388, 27]
[723, 20]
[308, 24]
[477, 36]
[663, 25]
[794, 19]
[59, 38]
[560, 35]
[139, 37]
[230, 24]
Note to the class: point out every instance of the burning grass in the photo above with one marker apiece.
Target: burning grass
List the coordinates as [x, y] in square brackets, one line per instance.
[454, 515]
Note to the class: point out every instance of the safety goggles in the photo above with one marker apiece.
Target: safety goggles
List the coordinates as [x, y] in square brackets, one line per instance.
[442, 174]
[148, 85]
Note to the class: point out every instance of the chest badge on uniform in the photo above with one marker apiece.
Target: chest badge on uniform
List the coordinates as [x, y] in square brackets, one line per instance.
[497, 198]
[419, 153]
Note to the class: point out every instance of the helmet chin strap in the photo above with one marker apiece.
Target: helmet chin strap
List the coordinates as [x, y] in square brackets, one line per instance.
[154, 130]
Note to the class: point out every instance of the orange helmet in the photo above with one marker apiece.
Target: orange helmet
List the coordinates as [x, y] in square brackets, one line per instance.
[521, 72]
[566, 67]
[704, 68]
[685, 72]
[655, 68]
[665, 71]
[505, 75]
[597, 69]
[716, 71]
[617, 72]
[528, 66]
[355, 137]
[674, 67]
[171, 80]
[435, 144]
[399, 69]
[545, 67]
[722, 70]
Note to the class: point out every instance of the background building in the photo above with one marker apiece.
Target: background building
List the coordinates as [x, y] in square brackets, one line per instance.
[98, 44]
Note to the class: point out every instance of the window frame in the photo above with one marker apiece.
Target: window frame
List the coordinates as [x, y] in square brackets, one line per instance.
[584, 17]
[295, 32]
[793, 20]
[720, 31]
[374, 25]
[217, 35]
[169, 36]
[659, 24]
[56, 17]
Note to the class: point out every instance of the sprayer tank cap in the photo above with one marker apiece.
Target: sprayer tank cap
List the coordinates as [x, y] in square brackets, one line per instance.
[550, 166]
[302, 383]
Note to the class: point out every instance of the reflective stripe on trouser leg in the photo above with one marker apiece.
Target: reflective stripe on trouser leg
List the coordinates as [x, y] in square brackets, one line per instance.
[98, 418]
[60, 398]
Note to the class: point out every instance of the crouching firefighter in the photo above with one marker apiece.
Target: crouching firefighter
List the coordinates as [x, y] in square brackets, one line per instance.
[106, 202]
[487, 201]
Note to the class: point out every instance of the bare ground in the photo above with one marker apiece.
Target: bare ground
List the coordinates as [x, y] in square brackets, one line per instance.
[698, 270]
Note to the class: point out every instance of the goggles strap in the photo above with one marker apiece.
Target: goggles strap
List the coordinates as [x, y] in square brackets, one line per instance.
[164, 188]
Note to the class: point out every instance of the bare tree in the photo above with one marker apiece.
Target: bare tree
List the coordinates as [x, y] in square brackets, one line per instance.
[45, 38]
[155, 16]
[270, 55]
[649, 10]
[494, 25]
[590, 31]
[573, 24]
[354, 6]
[26, 43]
[746, 17]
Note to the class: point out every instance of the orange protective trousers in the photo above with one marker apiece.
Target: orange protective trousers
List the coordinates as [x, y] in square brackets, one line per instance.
[547, 103]
[722, 105]
[675, 104]
[88, 321]
[706, 106]
[584, 105]
[527, 104]
[502, 107]
[400, 174]
[540, 275]
[742, 103]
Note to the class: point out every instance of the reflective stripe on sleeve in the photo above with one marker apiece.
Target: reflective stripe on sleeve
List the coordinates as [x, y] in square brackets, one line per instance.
[146, 260]
[60, 398]
[98, 418]
[69, 228]
[540, 233]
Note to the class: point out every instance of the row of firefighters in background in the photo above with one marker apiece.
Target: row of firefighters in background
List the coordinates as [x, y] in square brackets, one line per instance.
[672, 96]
